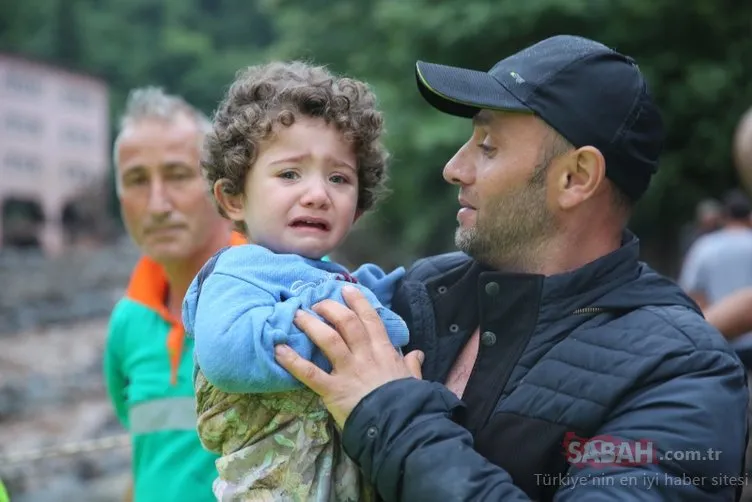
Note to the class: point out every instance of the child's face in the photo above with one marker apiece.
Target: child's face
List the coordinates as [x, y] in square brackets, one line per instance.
[301, 194]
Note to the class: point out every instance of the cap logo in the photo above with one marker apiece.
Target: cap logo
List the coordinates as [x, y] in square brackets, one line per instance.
[517, 78]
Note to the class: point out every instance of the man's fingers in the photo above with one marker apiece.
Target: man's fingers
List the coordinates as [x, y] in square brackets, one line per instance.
[414, 363]
[308, 373]
[363, 308]
[324, 337]
[347, 323]
[375, 330]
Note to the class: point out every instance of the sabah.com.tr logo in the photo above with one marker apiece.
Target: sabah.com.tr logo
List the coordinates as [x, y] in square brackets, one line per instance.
[607, 450]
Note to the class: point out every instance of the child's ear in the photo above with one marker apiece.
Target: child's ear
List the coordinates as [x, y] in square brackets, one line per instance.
[232, 204]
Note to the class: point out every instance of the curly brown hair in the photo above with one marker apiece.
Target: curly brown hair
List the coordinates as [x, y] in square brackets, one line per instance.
[264, 96]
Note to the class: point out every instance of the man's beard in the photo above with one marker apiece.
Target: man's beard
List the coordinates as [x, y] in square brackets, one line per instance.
[510, 231]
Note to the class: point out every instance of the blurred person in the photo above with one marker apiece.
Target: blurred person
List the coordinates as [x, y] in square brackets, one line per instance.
[742, 149]
[708, 218]
[148, 362]
[720, 263]
[307, 161]
[732, 315]
[556, 365]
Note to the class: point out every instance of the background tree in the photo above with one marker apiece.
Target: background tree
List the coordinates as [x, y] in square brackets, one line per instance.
[695, 54]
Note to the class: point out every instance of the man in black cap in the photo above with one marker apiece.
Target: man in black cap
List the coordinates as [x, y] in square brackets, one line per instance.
[555, 364]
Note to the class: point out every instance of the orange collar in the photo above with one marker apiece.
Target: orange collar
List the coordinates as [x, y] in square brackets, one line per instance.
[148, 285]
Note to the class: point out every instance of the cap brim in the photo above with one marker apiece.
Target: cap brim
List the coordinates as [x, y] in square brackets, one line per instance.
[462, 92]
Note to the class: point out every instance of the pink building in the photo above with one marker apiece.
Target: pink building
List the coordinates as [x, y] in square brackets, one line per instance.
[54, 144]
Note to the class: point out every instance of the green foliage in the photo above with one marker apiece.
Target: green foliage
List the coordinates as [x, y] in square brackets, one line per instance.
[695, 54]
[192, 48]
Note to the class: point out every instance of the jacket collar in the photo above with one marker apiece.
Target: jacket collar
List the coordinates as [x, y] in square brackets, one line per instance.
[148, 283]
[560, 294]
[584, 286]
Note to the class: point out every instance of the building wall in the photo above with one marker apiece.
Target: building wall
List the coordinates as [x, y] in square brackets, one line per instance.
[54, 138]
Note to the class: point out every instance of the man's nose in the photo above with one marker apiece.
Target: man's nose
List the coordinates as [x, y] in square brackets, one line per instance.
[159, 199]
[460, 170]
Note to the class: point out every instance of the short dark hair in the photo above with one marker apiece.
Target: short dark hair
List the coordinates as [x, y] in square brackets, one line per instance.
[736, 205]
[556, 145]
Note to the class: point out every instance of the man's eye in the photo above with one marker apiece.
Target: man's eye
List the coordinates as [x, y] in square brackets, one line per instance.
[179, 175]
[135, 181]
[487, 150]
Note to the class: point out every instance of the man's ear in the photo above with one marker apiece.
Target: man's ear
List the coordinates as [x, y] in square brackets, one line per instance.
[232, 204]
[580, 176]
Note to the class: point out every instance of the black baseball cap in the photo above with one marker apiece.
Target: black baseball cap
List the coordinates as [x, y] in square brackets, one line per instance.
[589, 93]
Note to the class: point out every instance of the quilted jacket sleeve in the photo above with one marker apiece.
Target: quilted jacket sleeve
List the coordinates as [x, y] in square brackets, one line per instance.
[404, 440]
[402, 437]
[692, 414]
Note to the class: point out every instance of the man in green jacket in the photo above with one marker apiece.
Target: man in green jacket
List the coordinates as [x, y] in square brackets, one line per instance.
[3, 494]
[148, 362]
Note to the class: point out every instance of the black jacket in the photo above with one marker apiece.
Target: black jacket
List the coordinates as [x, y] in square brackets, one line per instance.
[612, 350]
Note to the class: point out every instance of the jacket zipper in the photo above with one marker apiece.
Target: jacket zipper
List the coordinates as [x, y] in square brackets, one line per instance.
[589, 310]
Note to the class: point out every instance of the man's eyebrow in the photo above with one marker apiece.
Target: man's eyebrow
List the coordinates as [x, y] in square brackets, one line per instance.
[482, 118]
[137, 169]
[177, 164]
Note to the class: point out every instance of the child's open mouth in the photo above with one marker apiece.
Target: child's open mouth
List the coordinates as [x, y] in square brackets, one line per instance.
[310, 223]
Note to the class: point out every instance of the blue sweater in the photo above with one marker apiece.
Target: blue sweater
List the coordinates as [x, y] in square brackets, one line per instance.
[243, 303]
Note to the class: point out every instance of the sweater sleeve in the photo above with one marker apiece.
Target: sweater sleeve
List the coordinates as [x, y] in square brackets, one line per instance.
[243, 308]
[382, 284]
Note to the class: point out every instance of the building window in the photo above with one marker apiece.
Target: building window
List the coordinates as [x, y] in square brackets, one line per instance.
[76, 97]
[76, 173]
[20, 162]
[23, 83]
[76, 136]
[24, 124]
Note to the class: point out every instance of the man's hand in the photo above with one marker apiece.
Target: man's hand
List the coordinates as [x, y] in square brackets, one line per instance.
[359, 349]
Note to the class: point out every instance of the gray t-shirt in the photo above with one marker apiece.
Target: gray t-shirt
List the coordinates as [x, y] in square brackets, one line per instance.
[719, 264]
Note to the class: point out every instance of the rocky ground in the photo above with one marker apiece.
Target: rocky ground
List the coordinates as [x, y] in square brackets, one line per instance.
[53, 320]
[80, 284]
[52, 395]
